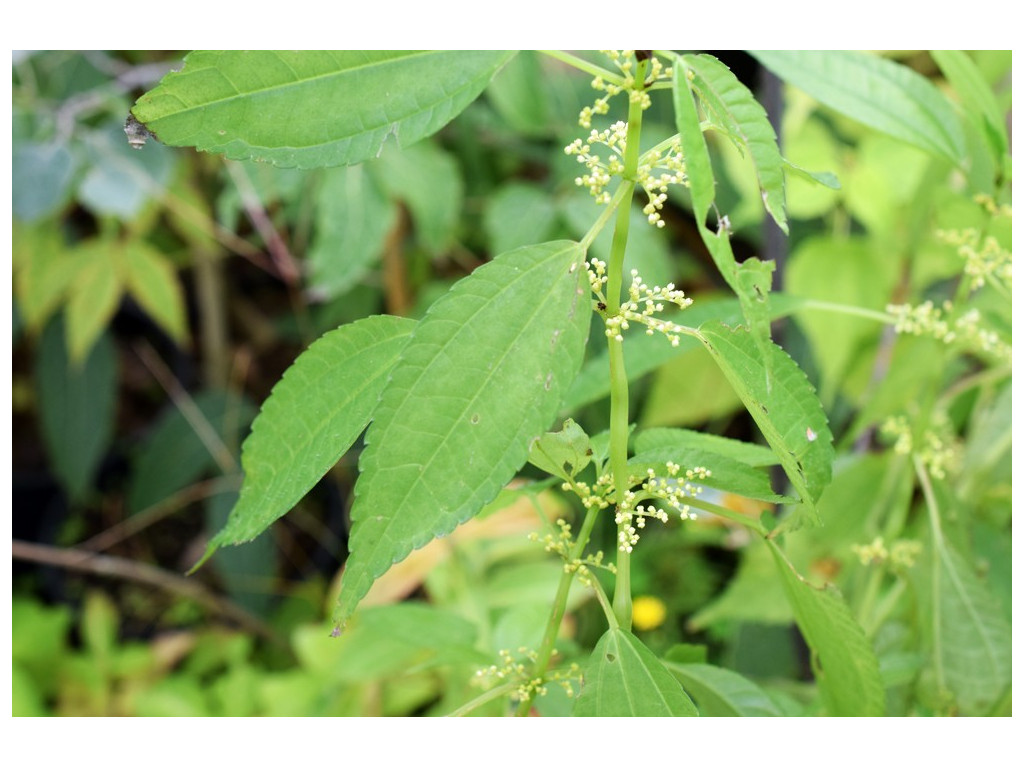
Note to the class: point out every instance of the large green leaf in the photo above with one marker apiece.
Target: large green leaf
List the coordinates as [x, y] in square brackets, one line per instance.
[882, 94]
[484, 374]
[625, 679]
[970, 634]
[310, 109]
[313, 415]
[784, 407]
[732, 107]
[846, 668]
[723, 693]
[77, 406]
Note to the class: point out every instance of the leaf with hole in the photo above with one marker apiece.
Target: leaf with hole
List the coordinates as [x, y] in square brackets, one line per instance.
[625, 679]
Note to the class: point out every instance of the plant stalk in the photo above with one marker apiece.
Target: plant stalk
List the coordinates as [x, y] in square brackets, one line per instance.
[622, 600]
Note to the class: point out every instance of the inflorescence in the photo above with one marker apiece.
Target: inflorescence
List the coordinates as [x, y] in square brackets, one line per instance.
[656, 169]
[938, 448]
[515, 668]
[642, 305]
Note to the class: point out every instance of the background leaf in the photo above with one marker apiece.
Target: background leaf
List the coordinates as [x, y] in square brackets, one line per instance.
[311, 109]
[77, 406]
[625, 679]
[353, 218]
[313, 415]
[484, 373]
[879, 93]
[970, 635]
[723, 693]
[847, 670]
[173, 455]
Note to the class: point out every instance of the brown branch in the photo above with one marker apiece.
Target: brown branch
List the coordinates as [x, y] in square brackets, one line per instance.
[130, 570]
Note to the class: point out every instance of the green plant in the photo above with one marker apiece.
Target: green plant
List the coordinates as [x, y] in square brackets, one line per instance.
[562, 330]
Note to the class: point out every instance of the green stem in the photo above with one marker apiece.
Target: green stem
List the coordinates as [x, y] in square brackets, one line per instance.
[583, 64]
[729, 514]
[547, 645]
[847, 309]
[622, 600]
[483, 698]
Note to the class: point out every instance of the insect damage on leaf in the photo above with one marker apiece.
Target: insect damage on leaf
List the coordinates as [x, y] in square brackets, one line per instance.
[136, 132]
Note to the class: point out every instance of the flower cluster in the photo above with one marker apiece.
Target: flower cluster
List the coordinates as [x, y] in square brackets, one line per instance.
[656, 170]
[561, 544]
[624, 61]
[927, 319]
[899, 557]
[515, 667]
[985, 259]
[642, 305]
[939, 448]
[631, 515]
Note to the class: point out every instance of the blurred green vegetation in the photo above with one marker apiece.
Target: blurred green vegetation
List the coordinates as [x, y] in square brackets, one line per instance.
[159, 294]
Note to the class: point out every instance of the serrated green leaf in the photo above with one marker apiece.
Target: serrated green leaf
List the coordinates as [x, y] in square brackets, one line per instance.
[723, 693]
[730, 105]
[784, 408]
[483, 374]
[353, 218]
[313, 415]
[882, 94]
[625, 679]
[76, 404]
[153, 282]
[695, 148]
[662, 437]
[311, 109]
[847, 669]
[970, 635]
[824, 178]
[563, 454]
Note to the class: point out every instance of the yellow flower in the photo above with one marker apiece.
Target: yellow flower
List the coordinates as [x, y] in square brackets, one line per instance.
[648, 612]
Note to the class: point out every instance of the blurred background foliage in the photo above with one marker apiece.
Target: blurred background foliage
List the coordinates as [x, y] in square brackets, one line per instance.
[159, 294]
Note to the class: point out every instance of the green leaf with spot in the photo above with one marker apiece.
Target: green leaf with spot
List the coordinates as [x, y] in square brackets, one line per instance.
[879, 93]
[730, 106]
[625, 679]
[483, 374]
[311, 109]
[844, 664]
[313, 415]
[784, 407]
